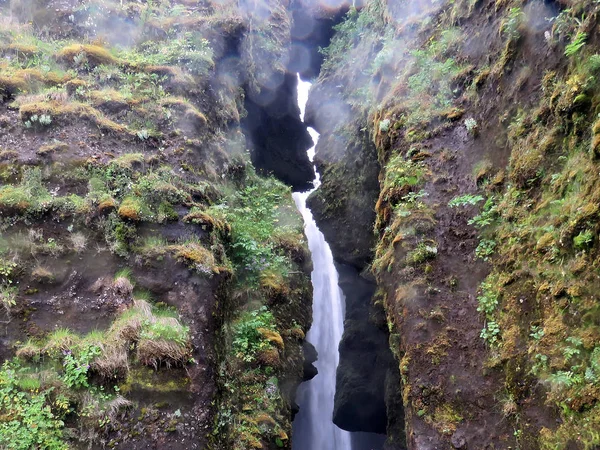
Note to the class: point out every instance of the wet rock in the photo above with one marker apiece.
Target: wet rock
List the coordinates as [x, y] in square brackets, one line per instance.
[365, 360]
[310, 356]
[458, 440]
[277, 138]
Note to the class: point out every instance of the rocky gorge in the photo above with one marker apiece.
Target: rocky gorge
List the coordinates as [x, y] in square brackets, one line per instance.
[155, 276]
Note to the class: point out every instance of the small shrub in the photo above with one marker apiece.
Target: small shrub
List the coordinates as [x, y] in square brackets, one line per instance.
[471, 126]
[30, 417]
[8, 297]
[198, 257]
[583, 240]
[421, 253]
[511, 25]
[76, 365]
[93, 55]
[131, 208]
[489, 296]
[490, 333]
[384, 125]
[248, 339]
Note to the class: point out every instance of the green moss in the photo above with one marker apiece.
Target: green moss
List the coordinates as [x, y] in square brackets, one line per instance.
[132, 208]
[94, 55]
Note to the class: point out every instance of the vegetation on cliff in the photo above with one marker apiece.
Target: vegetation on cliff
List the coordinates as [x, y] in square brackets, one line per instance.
[152, 284]
[483, 116]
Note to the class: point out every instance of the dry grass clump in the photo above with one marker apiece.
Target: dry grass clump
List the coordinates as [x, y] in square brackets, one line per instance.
[29, 351]
[79, 242]
[42, 275]
[595, 146]
[107, 205]
[129, 325]
[29, 80]
[72, 85]
[187, 110]
[61, 340]
[195, 254]
[153, 352]
[95, 55]
[269, 357]
[8, 155]
[113, 362]
[292, 243]
[178, 80]
[159, 338]
[10, 85]
[122, 285]
[207, 221]
[14, 199]
[49, 149]
[110, 99]
[129, 160]
[70, 110]
[16, 49]
[274, 283]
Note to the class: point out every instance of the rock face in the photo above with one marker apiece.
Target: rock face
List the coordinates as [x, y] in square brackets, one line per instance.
[312, 29]
[160, 284]
[478, 123]
[348, 166]
[277, 138]
[347, 162]
[365, 359]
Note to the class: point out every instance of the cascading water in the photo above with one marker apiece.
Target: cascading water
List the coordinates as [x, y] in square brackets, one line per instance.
[313, 425]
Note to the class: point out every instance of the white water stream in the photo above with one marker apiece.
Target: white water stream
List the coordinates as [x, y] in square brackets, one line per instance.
[313, 425]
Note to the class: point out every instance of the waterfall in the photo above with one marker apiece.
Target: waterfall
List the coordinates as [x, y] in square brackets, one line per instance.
[313, 425]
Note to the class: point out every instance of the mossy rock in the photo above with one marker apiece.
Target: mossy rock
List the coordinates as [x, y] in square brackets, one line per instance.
[95, 55]
[131, 208]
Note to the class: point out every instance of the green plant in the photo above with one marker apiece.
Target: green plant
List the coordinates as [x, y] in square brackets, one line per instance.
[537, 332]
[510, 27]
[42, 119]
[8, 295]
[384, 125]
[247, 339]
[471, 126]
[29, 420]
[486, 216]
[583, 240]
[401, 172]
[76, 365]
[465, 200]
[490, 333]
[485, 249]
[576, 44]
[421, 253]
[489, 295]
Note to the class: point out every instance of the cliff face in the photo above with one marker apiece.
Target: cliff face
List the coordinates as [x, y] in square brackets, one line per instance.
[478, 119]
[154, 288]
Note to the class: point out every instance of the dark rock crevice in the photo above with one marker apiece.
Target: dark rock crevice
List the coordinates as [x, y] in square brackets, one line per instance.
[277, 138]
[312, 30]
[368, 397]
[365, 359]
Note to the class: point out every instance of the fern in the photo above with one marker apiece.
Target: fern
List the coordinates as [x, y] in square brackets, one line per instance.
[576, 44]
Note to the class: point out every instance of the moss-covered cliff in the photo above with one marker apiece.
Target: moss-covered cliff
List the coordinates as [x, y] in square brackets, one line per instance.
[154, 288]
[478, 118]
